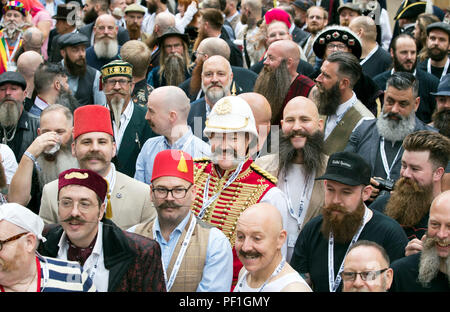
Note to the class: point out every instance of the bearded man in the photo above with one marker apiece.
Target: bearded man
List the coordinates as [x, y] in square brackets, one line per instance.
[441, 116]
[299, 161]
[429, 270]
[424, 159]
[106, 46]
[280, 69]
[46, 157]
[14, 14]
[131, 130]
[344, 220]
[174, 61]
[379, 141]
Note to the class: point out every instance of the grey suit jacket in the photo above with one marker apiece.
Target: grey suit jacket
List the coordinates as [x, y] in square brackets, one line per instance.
[130, 202]
[365, 141]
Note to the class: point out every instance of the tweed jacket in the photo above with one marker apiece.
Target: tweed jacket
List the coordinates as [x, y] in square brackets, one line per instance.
[130, 202]
[133, 261]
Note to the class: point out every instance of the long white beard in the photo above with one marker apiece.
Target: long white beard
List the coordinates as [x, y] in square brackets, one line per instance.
[106, 48]
[430, 264]
[395, 131]
[116, 107]
[51, 169]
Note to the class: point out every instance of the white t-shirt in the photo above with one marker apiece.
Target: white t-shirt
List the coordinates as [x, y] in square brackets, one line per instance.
[276, 285]
[9, 162]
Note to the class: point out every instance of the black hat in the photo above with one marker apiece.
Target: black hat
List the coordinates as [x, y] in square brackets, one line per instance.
[347, 168]
[13, 77]
[62, 11]
[337, 33]
[172, 31]
[410, 9]
[439, 25]
[303, 4]
[72, 39]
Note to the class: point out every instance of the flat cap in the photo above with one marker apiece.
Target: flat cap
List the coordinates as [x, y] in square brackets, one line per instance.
[13, 77]
[135, 8]
[439, 25]
[72, 39]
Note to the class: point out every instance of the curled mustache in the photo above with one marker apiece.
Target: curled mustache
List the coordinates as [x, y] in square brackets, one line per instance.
[218, 152]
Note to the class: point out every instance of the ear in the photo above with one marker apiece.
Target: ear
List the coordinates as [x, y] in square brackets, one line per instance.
[367, 190]
[57, 84]
[391, 51]
[389, 277]
[416, 104]
[74, 154]
[30, 243]
[281, 239]
[438, 174]
[321, 124]
[345, 82]
[101, 211]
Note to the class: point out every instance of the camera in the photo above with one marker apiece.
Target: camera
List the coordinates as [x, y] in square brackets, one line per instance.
[385, 184]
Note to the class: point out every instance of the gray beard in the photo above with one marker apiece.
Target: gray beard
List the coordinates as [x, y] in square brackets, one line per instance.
[106, 48]
[51, 169]
[215, 95]
[116, 107]
[9, 113]
[66, 99]
[430, 263]
[393, 130]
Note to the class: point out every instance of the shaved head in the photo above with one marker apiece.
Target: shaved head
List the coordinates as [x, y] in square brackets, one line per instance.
[214, 46]
[265, 216]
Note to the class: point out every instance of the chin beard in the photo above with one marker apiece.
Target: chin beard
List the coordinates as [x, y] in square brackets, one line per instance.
[74, 68]
[274, 85]
[344, 226]
[106, 48]
[409, 202]
[116, 107]
[173, 70]
[441, 121]
[430, 262]
[312, 152]
[215, 95]
[53, 166]
[329, 100]
[439, 56]
[9, 112]
[395, 130]
[398, 67]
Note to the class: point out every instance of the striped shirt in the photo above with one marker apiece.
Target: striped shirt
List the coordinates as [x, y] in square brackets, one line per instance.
[63, 276]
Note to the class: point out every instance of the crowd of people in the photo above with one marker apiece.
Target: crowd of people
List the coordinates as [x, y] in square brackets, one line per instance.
[224, 145]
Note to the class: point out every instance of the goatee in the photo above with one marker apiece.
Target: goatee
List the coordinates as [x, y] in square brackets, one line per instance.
[274, 85]
[430, 262]
[343, 225]
[329, 100]
[311, 154]
[441, 121]
[409, 202]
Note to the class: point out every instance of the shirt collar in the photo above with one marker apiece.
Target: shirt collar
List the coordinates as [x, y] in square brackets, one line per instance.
[179, 143]
[64, 246]
[180, 227]
[40, 103]
[346, 105]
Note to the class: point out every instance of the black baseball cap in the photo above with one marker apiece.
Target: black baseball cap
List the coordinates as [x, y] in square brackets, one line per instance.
[347, 168]
[14, 78]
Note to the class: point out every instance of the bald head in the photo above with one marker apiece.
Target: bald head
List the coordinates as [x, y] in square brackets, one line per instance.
[219, 61]
[364, 27]
[262, 215]
[171, 98]
[301, 103]
[259, 105]
[440, 205]
[104, 18]
[27, 63]
[214, 46]
[286, 50]
[163, 21]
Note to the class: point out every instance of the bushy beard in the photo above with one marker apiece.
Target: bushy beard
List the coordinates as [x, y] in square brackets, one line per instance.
[53, 166]
[398, 67]
[151, 7]
[395, 130]
[409, 202]
[436, 54]
[274, 85]
[134, 30]
[441, 121]
[312, 152]
[173, 69]
[75, 69]
[213, 95]
[344, 226]
[329, 100]
[9, 112]
[90, 16]
[430, 262]
[106, 47]
[66, 99]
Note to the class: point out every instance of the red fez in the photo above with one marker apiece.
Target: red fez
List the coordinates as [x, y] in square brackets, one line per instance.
[277, 15]
[86, 178]
[173, 163]
[91, 118]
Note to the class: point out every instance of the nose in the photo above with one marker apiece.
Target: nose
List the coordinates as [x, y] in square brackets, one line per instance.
[358, 282]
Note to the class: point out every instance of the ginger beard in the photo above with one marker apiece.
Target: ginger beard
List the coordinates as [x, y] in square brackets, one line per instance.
[409, 202]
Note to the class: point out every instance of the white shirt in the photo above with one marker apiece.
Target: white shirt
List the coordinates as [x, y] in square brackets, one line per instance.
[124, 120]
[40, 103]
[9, 162]
[333, 120]
[94, 265]
[278, 284]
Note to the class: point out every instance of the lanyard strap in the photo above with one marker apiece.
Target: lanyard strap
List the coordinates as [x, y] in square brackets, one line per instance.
[184, 246]
[275, 273]
[334, 283]
[443, 72]
[16, 46]
[297, 217]
[208, 201]
[388, 169]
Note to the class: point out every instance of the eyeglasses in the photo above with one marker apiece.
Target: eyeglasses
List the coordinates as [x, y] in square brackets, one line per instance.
[365, 276]
[339, 47]
[122, 82]
[83, 205]
[177, 193]
[13, 238]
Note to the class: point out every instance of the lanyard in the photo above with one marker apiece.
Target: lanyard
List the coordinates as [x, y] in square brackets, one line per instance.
[10, 56]
[302, 200]
[206, 201]
[443, 72]
[388, 169]
[334, 283]
[184, 246]
[275, 273]
[369, 55]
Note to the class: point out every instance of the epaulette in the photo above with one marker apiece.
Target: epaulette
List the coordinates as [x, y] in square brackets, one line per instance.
[264, 173]
[202, 159]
